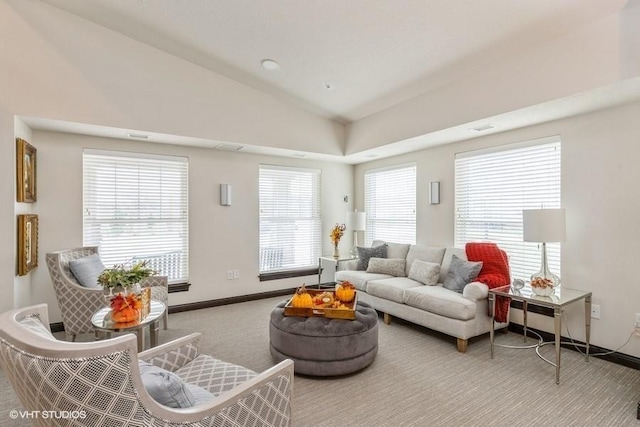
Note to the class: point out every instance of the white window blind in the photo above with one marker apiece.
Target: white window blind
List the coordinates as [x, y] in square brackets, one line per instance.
[290, 218]
[494, 186]
[136, 208]
[390, 204]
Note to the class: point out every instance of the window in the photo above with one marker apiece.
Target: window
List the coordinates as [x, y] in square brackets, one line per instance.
[135, 208]
[390, 204]
[494, 186]
[290, 218]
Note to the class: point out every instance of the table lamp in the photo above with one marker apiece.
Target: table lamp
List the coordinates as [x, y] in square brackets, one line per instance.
[356, 221]
[543, 226]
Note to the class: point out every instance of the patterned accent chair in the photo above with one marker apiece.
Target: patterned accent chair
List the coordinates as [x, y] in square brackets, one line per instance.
[99, 382]
[78, 303]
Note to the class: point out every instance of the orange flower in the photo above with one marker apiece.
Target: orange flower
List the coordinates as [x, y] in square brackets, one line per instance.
[336, 233]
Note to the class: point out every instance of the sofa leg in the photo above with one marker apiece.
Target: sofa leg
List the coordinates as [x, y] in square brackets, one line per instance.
[387, 318]
[462, 345]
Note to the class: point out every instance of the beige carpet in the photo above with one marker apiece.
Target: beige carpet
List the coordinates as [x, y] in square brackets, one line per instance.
[419, 379]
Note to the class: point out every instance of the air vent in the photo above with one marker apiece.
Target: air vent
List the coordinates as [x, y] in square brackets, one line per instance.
[482, 128]
[228, 147]
[137, 135]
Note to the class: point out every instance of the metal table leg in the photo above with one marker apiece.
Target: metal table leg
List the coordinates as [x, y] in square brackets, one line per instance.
[558, 326]
[587, 324]
[492, 307]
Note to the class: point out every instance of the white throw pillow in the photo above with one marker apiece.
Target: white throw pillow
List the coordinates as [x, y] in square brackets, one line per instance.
[391, 266]
[425, 272]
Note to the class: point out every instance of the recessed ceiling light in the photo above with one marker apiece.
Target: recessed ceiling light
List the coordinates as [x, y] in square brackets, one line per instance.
[482, 128]
[372, 155]
[270, 64]
[327, 86]
[299, 155]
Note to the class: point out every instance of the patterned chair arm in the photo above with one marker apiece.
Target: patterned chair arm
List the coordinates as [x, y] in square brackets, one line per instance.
[175, 354]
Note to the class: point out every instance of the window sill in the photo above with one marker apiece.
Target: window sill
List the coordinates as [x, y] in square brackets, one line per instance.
[276, 275]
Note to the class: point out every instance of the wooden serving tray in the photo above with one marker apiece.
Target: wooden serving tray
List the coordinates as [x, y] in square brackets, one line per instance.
[329, 313]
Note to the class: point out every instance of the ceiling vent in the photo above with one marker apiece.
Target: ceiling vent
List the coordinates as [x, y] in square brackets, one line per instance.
[482, 128]
[228, 147]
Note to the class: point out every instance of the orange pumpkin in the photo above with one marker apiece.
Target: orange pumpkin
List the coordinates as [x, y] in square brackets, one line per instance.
[345, 291]
[302, 298]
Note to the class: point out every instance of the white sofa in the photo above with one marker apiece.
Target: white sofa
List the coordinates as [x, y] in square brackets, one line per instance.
[462, 315]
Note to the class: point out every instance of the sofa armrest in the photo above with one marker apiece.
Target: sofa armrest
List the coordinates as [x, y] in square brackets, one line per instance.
[476, 291]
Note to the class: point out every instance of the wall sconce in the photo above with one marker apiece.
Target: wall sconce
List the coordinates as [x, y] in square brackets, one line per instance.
[225, 194]
[434, 192]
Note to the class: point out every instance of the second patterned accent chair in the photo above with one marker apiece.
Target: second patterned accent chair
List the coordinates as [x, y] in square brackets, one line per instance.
[108, 383]
[78, 303]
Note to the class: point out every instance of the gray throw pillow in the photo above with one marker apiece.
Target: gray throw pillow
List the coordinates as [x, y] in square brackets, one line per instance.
[365, 254]
[425, 272]
[34, 324]
[168, 389]
[461, 273]
[391, 266]
[86, 270]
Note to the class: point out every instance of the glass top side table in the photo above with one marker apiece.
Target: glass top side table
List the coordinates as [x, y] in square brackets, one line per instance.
[557, 301]
[102, 322]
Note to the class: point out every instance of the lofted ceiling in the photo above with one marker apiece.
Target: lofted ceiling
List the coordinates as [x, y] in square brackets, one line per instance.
[343, 59]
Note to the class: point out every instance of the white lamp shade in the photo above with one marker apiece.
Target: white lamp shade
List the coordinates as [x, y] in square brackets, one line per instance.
[543, 225]
[356, 221]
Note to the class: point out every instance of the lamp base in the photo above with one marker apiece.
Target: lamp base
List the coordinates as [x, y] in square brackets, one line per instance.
[544, 282]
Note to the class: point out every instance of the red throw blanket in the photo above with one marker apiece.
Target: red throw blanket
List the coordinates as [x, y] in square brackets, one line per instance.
[494, 273]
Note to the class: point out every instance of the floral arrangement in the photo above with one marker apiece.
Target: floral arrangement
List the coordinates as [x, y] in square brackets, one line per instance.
[124, 275]
[336, 233]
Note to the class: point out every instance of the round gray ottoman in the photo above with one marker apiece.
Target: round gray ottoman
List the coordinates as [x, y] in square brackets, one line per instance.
[324, 347]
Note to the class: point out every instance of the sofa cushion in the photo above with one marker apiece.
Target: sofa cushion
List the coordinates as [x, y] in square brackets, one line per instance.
[364, 254]
[460, 273]
[87, 269]
[427, 273]
[441, 301]
[446, 261]
[394, 250]
[391, 289]
[392, 267]
[424, 253]
[358, 278]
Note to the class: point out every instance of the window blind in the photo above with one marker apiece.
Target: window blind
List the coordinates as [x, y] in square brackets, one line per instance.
[290, 218]
[493, 187]
[136, 208]
[390, 204]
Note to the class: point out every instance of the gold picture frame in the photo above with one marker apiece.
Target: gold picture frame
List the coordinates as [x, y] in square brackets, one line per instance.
[25, 171]
[27, 243]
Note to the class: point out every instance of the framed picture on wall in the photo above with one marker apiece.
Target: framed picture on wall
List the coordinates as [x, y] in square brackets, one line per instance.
[26, 171]
[27, 243]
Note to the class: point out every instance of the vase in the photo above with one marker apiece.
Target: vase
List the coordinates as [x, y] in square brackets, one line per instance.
[336, 252]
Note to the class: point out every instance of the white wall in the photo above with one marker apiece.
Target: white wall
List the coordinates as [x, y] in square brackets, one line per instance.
[600, 177]
[604, 53]
[221, 238]
[57, 66]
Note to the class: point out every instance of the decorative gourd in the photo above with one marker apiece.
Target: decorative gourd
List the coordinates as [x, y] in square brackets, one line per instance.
[302, 298]
[345, 291]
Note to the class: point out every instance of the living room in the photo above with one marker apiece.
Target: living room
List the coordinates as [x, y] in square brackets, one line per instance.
[59, 67]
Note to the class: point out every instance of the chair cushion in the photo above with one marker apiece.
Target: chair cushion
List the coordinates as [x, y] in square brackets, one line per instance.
[168, 389]
[86, 270]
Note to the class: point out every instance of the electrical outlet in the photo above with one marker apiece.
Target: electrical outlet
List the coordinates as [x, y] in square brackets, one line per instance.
[236, 274]
[595, 311]
[229, 274]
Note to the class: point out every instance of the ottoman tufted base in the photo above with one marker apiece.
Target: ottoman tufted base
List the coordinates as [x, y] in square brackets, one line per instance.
[325, 347]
